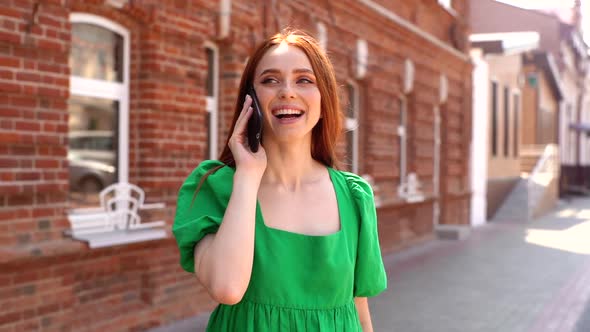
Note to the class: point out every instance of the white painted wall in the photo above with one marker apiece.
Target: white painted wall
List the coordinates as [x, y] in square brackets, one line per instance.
[479, 145]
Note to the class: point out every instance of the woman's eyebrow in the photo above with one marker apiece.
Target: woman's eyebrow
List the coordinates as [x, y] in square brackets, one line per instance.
[277, 71]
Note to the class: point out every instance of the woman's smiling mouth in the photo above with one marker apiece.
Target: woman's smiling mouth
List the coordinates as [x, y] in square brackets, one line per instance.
[287, 113]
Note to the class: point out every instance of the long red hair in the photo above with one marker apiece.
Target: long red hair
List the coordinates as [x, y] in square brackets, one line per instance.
[327, 131]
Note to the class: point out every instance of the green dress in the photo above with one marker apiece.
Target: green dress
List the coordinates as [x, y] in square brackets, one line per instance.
[299, 282]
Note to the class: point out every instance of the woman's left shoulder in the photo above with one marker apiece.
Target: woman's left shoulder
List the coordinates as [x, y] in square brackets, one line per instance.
[359, 187]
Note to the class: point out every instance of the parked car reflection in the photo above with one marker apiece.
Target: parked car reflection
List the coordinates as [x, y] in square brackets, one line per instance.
[97, 145]
[92, 160]
[90, 176]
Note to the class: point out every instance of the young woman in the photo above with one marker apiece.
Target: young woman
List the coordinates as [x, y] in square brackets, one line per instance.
[280, 238]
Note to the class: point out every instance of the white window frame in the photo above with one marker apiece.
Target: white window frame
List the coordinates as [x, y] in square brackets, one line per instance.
[352, 124]
[448, 6]
[117, 91]
[212, 102]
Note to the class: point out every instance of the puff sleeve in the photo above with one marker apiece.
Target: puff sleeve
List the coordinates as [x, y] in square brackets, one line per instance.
[195, 219]
[369, 274]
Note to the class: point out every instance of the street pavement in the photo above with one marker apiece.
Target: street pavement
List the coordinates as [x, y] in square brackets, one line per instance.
[505, 277]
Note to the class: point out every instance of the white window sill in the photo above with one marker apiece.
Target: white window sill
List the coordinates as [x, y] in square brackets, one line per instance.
[119, 237]
[415, 199]
[93, 226]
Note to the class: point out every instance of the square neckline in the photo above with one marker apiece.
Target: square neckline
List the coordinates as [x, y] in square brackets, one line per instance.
[260, 216]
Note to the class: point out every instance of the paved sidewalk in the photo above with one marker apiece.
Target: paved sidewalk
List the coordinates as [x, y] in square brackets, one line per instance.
[508, 277]
[505, 277]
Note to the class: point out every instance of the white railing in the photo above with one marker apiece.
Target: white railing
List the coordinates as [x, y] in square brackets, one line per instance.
[545, 171]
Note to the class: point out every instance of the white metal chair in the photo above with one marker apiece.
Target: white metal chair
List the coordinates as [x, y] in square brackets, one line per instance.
[117, 220]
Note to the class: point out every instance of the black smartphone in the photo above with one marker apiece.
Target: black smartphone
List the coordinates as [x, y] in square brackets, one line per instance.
[255, 121]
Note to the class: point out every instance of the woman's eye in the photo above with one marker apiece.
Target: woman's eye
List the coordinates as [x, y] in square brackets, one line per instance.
[269, 80]
[305, 80]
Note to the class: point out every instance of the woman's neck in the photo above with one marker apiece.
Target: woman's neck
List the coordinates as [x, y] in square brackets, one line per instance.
[290, 166]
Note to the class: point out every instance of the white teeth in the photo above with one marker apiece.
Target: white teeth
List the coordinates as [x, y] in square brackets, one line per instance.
[287, 111]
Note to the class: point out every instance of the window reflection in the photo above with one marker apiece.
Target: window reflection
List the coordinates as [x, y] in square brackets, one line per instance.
[96, 53]
[92, 147]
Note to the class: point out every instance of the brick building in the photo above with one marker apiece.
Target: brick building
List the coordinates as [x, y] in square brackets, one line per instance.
[157, 81]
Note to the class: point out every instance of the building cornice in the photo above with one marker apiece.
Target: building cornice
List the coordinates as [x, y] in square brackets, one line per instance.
[415, 29]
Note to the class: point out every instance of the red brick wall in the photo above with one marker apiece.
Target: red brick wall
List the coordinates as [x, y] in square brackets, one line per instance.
[455, 147]
[34, 78]
[52, 283]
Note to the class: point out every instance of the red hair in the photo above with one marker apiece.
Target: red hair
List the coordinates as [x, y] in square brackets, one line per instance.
[327, 131]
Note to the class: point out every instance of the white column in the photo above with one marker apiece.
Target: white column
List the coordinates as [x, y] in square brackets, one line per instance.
[479, 143]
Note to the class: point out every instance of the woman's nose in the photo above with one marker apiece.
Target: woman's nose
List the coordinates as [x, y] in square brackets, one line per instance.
[287, 91]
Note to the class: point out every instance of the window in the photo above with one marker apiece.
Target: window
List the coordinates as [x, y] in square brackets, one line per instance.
[409, 186]
[494, 131]
[212, 87]
[506, 130]
[352, 133]
[403, 139]
[516, 124]
[98, 107]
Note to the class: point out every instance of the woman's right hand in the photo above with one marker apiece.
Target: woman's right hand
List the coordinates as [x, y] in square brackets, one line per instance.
[238, 144]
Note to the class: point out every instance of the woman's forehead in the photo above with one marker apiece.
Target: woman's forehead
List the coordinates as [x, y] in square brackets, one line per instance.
[285, 58]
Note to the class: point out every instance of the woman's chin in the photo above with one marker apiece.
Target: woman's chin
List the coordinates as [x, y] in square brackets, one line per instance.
[286, 137]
